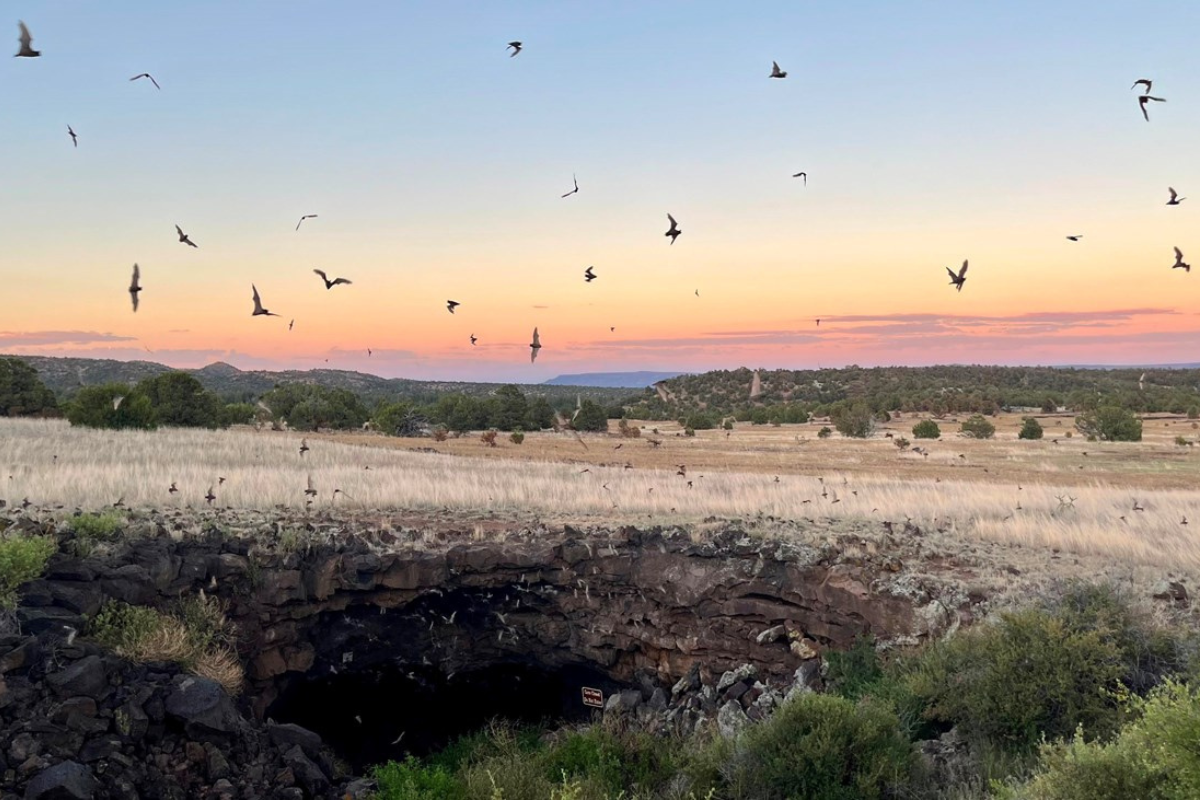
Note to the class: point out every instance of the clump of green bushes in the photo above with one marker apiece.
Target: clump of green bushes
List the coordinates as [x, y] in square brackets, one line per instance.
[22, 559]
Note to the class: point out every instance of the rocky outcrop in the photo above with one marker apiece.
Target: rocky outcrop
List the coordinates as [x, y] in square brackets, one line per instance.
[667, 620]
[77, 723]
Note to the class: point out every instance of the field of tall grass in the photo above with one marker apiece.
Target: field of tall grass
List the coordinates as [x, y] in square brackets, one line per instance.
[51, 464]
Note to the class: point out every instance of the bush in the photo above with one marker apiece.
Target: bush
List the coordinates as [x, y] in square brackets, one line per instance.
[851, 674]
[613, 762]
[821, 747]
[978, 427]
[488, 437]
[699, 422]
[93, 407]
[22, 393]
[689, 431]
[825, 432]
[628, 431]
[197, 636]
[591, 417]
[1153, 758]
[855, 421]
[727, 424]
[1031, 429]
[237, 414]
[440, 433]
[411, 780]
[1183, 441]
[1193, 412]
[1111, 424]
[180, 400]
[22, 559]
[517, 437]
[399, 419]
[926, 429]
[901, 443]
[100, 527]
[1041, 672]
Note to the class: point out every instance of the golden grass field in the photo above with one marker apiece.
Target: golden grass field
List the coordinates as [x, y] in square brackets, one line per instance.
[1073, 496]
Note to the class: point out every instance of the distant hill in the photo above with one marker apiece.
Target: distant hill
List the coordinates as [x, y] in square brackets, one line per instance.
[947, 388]
[65, 376]
[615, 380]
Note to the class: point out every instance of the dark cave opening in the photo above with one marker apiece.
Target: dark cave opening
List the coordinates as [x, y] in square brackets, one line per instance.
[373, 715]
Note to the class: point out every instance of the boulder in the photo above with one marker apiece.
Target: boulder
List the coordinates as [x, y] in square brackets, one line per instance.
[307, 773]
[746, 672]
[67, 780]
[731, 719]
[289, 735]
[204, 709]
[86, 677]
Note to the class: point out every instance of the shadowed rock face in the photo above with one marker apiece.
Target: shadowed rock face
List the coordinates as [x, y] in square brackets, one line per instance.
[627, 603]
[419, 629]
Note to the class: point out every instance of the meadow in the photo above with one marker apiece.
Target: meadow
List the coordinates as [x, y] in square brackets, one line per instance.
[1135, 503]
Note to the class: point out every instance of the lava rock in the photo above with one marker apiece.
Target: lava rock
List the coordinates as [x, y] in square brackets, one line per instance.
[731, 719]
[746, 672]
[203, 707]
[68, 780]
[290, 735]
[307, 773]
[86, 677]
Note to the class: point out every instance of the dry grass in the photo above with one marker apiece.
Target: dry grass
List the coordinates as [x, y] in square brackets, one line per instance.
[197, 636]
[972, 498]
[222, 665]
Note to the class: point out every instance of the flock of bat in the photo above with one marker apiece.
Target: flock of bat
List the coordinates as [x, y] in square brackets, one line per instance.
[957, 279]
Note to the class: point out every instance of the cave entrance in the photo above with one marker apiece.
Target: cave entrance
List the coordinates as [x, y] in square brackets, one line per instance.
[377, 714]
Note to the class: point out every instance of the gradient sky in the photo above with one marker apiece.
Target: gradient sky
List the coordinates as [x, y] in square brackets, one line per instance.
[931, 132]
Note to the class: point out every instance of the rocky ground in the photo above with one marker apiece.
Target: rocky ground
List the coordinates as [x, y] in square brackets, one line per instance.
[716, 624]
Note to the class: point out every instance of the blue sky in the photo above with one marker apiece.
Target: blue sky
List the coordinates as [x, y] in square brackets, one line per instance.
[931, 132]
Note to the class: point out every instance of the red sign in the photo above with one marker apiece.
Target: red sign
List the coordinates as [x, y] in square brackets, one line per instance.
[593, 697]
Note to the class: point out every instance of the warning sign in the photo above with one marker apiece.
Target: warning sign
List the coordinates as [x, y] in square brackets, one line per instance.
[593, 697]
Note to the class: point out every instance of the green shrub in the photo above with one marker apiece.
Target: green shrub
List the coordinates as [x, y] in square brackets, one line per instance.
[179, 399]
[237, 414]
[1193, 412]
[727, 424]
[689, 431]
[1031, 429]
[901, 443]
[850, 674]
[978, 427]
[825, 432]
[1110, 424]
[104, 526]
[197, 636]
[22, 393]
[926, 429]
[855, 421]
[1030, 674]
[412, 780]
[517, 437]
[591, 417]
[22, 559]
[1153, 758]
[821, 747]
[1183, 441]
[613, 762]
[98, 407]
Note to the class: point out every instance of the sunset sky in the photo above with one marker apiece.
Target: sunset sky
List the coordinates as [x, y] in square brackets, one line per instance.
[931, 132]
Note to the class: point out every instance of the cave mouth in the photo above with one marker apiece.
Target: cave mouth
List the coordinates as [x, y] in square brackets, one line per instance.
[379, 714]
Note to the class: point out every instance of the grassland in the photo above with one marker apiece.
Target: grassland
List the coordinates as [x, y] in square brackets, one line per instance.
[1073, 496]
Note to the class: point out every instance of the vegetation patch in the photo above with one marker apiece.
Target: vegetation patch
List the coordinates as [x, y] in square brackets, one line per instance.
[22, 559]
[194, 634]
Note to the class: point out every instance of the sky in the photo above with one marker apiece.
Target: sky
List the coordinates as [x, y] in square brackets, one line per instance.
[931, 132]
